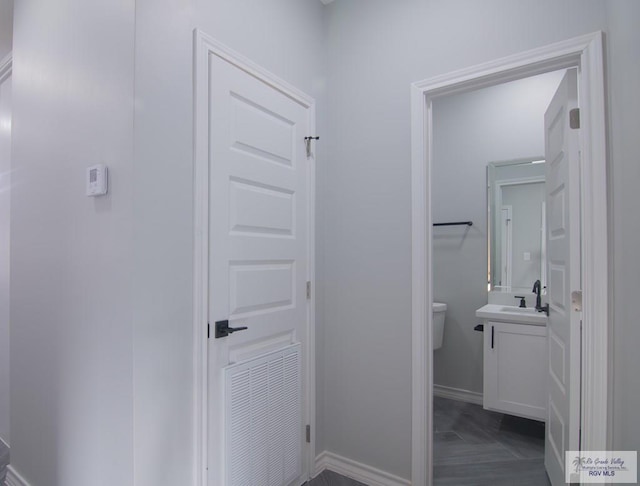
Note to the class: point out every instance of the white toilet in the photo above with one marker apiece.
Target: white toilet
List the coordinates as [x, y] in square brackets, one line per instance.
[439, 310]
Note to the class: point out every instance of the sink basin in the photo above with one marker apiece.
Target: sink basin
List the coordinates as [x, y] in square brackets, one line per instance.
[519, 310]
[508, 313]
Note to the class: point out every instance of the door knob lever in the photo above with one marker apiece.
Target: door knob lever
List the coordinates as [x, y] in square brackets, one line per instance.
[223, 329]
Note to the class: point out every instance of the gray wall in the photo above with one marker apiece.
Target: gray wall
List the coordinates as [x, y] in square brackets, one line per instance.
[499, 123]
[71, 347]
[623, 64]
[6, 27]
[376, 49]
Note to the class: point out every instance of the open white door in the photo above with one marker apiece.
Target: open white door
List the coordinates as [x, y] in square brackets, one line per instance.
[563, 273]
[259, 209]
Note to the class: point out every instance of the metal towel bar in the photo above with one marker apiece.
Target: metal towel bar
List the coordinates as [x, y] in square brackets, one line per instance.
[457, 223]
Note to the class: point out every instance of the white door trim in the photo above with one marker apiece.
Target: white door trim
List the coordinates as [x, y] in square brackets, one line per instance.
[204, 47]
[586, 53]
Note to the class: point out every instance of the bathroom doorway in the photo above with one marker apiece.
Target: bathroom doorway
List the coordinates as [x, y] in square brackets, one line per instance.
[489, 408]
[584, 54]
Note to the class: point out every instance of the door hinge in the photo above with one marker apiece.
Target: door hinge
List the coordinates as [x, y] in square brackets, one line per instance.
[308, 432]
[308, 289]
[307, 141]
[576, 300]
[574, 118]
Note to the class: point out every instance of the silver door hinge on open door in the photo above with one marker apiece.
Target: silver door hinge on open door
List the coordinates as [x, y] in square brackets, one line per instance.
[574, 118]
[308, 289]
[576, 300]
[308, 434]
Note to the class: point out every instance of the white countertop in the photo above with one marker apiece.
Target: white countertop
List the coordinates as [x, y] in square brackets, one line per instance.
[497, 312]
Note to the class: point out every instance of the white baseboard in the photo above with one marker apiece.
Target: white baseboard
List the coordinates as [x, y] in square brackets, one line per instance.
[457, 394]
[14, 479]
[355, 470]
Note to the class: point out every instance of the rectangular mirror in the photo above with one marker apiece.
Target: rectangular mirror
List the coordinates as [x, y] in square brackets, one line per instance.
[517, 245]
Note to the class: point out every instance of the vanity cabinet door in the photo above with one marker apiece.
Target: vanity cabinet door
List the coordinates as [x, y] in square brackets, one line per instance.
[514, 369]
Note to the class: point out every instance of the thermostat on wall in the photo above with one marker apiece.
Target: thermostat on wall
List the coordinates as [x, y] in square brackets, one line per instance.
[97, 180]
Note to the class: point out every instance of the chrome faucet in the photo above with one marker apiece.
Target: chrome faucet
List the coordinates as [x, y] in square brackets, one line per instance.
[537, 289]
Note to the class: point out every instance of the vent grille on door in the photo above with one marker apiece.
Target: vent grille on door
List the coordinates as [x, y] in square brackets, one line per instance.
[264, 419]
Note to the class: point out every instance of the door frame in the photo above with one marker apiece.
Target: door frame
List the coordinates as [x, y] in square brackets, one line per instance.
[585, 53]
[204, 47]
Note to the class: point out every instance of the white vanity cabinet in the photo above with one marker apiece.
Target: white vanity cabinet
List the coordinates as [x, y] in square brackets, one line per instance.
[515, 357]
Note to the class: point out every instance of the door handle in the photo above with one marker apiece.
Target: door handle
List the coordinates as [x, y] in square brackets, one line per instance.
[492, 336]
[223, 329]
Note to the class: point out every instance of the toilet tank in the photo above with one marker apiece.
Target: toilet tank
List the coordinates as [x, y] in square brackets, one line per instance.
[439, 310]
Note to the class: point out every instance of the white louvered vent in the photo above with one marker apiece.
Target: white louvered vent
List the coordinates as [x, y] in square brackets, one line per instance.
[264, 419]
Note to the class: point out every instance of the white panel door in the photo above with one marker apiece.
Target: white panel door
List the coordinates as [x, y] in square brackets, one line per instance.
[563, 274]
[258, 263]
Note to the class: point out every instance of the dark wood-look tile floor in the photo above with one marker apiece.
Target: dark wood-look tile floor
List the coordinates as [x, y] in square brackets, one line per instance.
[475, 447]
[330, 478]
